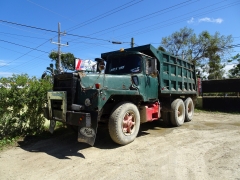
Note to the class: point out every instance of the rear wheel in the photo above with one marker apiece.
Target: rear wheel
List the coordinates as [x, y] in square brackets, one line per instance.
[189, 108]
[178, 112]
[124, 123]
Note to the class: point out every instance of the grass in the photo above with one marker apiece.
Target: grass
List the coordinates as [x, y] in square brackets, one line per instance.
[6, 142]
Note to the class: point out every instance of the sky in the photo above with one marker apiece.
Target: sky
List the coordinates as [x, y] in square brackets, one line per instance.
[28, 28]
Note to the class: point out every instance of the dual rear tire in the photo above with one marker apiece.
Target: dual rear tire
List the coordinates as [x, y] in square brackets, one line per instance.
[189, 109]
[181, 111]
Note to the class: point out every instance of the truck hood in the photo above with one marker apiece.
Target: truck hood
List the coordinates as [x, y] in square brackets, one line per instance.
[106, 81]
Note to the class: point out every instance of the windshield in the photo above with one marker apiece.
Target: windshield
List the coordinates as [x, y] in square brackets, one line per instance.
[124, 64]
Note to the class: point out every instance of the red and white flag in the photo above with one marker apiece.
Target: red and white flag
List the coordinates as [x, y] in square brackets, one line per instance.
[84, 65]
[78, 64]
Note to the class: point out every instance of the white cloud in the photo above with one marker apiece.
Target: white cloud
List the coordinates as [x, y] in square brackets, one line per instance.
[190, 21]
[6, 74]
[211, 20]
[3, 63]
[229, 66]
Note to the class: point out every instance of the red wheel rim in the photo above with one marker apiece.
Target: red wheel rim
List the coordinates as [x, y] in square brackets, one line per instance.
[128, 124]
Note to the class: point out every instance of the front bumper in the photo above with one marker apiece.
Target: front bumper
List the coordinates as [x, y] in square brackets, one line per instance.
[86, 121]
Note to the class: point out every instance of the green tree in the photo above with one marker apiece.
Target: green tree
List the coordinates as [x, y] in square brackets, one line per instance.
[235, 71]
[67, 60]
[216, 69]
[204, 50]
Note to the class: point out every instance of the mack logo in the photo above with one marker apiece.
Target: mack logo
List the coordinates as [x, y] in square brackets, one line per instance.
[88, 132]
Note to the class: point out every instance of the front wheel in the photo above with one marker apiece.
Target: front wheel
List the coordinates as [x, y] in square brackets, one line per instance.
[124, 123]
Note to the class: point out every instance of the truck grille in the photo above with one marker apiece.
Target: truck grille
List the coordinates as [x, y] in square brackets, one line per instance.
[65, 82]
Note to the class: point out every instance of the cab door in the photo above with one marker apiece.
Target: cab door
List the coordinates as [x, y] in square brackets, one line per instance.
[151, 79]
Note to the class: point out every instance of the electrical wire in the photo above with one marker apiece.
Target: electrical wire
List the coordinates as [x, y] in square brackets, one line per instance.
[148, 15]
[113, 11]
[51, 11]
[32, 49]
[106, 41]
[24, 46]
[26, 62]
[22, 35]
[53, 31]
[15, 51]
[168, 22]
[137, 31]
[80, 24]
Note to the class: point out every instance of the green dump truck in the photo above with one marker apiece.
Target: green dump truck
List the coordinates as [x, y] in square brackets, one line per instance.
[130, 87]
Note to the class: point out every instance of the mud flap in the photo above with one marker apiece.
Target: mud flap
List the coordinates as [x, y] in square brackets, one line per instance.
[88, 133]
[52, 126]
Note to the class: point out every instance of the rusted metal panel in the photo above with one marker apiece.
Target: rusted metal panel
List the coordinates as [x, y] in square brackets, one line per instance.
[226, 85]
[225, 104]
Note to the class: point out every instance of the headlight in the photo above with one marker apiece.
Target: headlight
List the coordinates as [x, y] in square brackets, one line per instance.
[87, 102]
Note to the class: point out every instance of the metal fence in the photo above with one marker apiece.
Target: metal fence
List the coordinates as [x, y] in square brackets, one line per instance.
[221, 95]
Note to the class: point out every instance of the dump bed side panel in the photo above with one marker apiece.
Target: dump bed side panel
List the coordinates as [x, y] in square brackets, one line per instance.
[177, 76]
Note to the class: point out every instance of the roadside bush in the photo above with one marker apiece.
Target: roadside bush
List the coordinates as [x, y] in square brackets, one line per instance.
[21, 102]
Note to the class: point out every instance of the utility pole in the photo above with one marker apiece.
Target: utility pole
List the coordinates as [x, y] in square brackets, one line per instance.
[59, 47]
[132, 42]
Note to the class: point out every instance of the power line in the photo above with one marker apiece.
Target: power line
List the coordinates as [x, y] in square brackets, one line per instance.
[24, 46]
[51, 11]
[85, 24]
[15, 51]
[80, 25]
[31, 60]
[68, 33]
[140, 18]
[113, 11]
[56, 31]
[183, 3]
[140, 31]
[107, 41]
[21, 39]
[48, 30]
[22, 35]
[163, 21]
[148, 15]
[33, 27]
[90, 7]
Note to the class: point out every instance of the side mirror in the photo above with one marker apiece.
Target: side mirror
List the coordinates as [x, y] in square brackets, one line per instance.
[135, 80]
[151, 67]
[100, 64]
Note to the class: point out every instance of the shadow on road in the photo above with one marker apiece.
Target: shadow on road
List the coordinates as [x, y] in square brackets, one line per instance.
[62, 144]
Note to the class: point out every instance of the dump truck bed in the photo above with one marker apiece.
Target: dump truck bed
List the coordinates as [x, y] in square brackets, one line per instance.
[176, 75]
